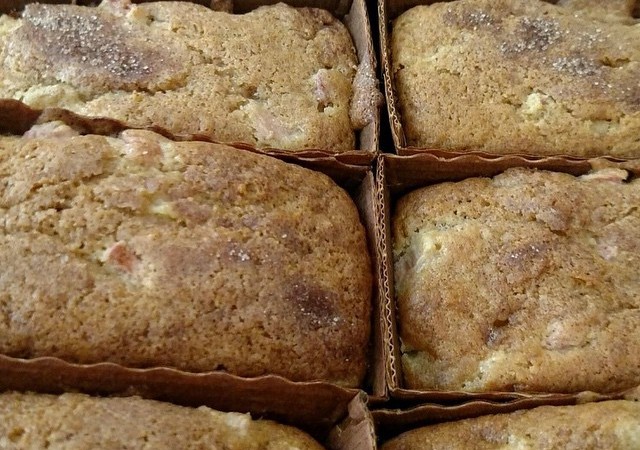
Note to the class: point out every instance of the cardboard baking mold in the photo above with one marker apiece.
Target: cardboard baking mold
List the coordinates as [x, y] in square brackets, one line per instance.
[353, 13]
[17, 118]
[388, 11]
[356, 431]
[350, 427]
[316, 402]
[390, 422]
[397, 175]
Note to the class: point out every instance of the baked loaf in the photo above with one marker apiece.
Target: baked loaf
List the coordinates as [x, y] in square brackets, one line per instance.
[76, 421]
[612, 425]
[146, 252]
[275, 77]
[527, 281]
[520, 76]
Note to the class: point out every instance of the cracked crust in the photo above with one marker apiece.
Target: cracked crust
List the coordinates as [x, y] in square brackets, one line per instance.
[275, 77]
[76, 421]
[147, 252]
[527, 281]
[611, 425]
[520, 76]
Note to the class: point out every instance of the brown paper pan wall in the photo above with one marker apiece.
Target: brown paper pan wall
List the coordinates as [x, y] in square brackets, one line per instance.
[397, 175]
[389, 10]
[317, 407]
[349, 428]
[390, 422]
[17, 118]
[353, 14]
[313, 406]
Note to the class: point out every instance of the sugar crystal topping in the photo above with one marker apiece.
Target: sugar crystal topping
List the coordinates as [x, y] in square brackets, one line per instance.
[533, 34]
[84, 36]
[575, 65]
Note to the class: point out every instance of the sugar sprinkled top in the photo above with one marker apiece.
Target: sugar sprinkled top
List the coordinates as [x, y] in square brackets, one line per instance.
[575, 66]
[91, 48]
[86, 37]
[480, 18]
[533, 34]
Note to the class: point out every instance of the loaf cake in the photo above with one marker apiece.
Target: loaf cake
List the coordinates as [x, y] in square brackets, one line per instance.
[520, 76]
[76, 421]
[277, 76]
[611, 425]
[527, 282]
[147, 252]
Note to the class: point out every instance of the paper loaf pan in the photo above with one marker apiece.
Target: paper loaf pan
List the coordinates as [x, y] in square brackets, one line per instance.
[267, 119]
[390, 423]
[316, 402]
[600, 82]
[399, 175]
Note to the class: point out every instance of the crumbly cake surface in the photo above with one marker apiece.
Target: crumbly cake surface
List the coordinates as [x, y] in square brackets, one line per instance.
[277, 76]
[520, 76]
[527, 281]
[611, 425]
[147, 252]
[76, 421]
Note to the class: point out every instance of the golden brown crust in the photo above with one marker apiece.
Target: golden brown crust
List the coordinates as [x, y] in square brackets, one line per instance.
[526, 282]
[147, 252]
[76, 421]
[621, 11]
[520, 76]
[275, 77]
[612, 425]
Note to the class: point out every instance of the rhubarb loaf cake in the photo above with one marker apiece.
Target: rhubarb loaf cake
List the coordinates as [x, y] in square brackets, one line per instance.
[76, 421]
[611, 425]
[520, 76]
[277, 76]
[147, 252]
[527, 281]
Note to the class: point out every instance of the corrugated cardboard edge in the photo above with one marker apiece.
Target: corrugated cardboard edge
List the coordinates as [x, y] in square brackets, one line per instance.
[395, 124]
[313, 406]
[389, 10]
[392, 422]
[387, 313]
[320, 403]
[414, 170]
[16, 117]
[365, 198]
[353, 14]
[397, 175]
[357, 431]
